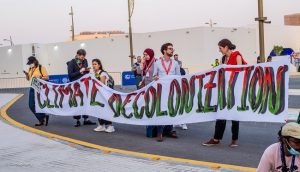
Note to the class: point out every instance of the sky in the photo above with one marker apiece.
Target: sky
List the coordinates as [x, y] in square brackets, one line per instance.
[47, 21]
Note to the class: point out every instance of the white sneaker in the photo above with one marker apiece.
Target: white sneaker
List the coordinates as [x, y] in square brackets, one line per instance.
[184, 126]
[110, 129]
[100, 128]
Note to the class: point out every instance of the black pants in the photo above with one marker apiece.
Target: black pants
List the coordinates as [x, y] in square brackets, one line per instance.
[39, 116]
[104, 122]
[220, 128]
[164, 129]
[85, 117]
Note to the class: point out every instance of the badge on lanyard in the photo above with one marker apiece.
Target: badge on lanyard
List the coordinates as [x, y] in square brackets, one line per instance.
[164, 66]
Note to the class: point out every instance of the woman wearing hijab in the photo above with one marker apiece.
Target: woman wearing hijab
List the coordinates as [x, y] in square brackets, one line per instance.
[147, 67]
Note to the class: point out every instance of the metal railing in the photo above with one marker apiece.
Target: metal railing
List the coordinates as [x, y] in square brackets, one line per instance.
[21, 82]
[14, 82]
[117, 77]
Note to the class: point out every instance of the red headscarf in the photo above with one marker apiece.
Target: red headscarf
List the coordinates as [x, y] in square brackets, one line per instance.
[148, 63]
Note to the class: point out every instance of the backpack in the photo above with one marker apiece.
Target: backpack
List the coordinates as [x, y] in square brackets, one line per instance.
[40, 70]
[182, 71]
[110, 81]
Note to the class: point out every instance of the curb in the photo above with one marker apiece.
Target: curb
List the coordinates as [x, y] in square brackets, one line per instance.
[214, 166]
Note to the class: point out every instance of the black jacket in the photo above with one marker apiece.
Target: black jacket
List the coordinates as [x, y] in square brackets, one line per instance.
[74, 70]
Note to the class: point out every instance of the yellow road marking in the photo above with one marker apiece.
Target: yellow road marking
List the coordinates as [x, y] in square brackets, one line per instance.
[212, 165]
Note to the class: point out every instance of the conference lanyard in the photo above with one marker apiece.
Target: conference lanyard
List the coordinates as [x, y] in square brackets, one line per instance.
[164, 66]
[148, 66]
[283, 159]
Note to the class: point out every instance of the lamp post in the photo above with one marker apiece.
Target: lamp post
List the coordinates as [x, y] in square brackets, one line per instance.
[9, 40]
[130, 12]
[261, 20]
[72, 26]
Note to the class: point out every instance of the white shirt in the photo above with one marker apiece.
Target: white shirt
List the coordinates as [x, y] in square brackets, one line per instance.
[160, 71]
[103, 74]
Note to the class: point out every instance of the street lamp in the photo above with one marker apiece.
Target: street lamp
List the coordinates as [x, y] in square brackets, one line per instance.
[261, 20]
[72, 26]
[130, 12]
[9, 40]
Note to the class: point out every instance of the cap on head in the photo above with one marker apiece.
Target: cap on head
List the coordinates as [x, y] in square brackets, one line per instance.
[291, 129]
[31, 60]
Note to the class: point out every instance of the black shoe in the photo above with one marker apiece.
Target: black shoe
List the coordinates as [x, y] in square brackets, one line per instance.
[88, 122]
[77, 124]
[39, 124]
[46, 120]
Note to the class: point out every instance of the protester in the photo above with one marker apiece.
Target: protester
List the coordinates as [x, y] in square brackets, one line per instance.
[295, 55]
[182, 72]
[162, 67]
[258, 60]
[284, 155]
[77, 68]
[37, 71]
[216, 63]
[147, 67]
[137, 71]
[231, 58]
[269, 59]
[102, 75]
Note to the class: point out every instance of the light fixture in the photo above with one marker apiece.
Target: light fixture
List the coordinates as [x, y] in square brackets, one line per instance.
[55, 47]
[82, 45]
[234, 29]
[9, 50]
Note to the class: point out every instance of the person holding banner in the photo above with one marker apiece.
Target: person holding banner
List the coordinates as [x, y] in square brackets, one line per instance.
[36, 71]
[102, 75]
[285, 155]
[77, 68]
[230, 57]
[162, 67]
[147, 67]
[137, 71]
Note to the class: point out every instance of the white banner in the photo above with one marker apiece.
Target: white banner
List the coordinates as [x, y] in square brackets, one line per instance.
[243, 93]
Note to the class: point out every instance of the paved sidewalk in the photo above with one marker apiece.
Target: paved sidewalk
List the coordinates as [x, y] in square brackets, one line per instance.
[24, 151]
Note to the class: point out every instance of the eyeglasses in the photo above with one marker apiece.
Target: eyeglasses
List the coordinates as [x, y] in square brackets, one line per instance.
[170, 49]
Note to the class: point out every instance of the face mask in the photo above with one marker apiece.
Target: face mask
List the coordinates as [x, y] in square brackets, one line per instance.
[31, 65]
[291, 150]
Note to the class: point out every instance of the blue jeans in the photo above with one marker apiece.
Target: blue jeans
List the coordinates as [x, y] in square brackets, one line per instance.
[39, 116]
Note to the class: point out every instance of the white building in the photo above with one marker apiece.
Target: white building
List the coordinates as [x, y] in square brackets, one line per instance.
[197, 48]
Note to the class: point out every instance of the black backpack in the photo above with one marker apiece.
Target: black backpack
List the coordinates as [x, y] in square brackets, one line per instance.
[182, 71]
[110, 81]
[40, 70]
